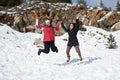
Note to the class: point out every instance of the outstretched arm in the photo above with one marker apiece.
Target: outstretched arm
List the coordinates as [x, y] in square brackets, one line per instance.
[77, 22]
[77, 18]
[64, 27]
[58, 25]
[37, 21]
[36, 18]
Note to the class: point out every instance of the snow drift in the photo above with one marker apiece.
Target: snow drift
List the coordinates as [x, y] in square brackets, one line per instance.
[19, 59]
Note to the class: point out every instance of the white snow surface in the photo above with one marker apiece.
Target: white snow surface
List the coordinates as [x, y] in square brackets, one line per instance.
[19, 59]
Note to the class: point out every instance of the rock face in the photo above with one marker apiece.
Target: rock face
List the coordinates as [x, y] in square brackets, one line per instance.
[108, 20]
[24, 22]
[96, 15]
[21, 18]
[1, 8]
[7, 19]
[115, 27]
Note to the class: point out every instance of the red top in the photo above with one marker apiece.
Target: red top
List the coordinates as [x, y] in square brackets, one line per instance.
[49, 34]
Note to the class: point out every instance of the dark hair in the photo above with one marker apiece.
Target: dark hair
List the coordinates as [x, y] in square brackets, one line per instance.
[70, 24]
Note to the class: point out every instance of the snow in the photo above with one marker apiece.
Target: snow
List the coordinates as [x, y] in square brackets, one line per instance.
[19, 59]
[2, 12]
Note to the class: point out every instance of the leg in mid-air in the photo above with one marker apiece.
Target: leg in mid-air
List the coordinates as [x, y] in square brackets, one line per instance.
[46, 49]
[53, 47]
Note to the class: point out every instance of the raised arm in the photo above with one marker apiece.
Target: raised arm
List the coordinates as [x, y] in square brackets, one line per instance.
[37, 21]
[77, 19]
[77, 22]
[58, 26]
[64, 27]
[36, 18]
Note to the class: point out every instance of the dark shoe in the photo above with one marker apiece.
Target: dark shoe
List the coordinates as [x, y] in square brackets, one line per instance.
[56, 51]
[39, 52]
[46, 53]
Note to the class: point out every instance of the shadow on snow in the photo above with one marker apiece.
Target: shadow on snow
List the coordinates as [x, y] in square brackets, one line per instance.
[86, 60]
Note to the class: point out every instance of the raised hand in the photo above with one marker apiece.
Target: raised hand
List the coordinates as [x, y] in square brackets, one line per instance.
[33, 11]
[78, 16]
[36, 16]
[60, 22]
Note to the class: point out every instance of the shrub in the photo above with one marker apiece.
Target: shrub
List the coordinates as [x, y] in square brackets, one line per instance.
[111, 43]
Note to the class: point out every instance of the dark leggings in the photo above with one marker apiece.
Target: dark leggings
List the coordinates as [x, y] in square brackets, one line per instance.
[49, 45]
[69, 48]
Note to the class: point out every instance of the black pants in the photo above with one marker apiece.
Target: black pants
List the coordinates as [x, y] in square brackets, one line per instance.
[48, 45]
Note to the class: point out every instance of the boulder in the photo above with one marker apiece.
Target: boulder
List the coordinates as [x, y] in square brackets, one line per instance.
[1, 8]
[96, 15]
[116, 26]
[1, 24]
[17, 24]
[108, 20]
[29, 28]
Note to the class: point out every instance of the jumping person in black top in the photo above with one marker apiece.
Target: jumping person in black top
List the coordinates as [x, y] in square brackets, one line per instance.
[72, 40]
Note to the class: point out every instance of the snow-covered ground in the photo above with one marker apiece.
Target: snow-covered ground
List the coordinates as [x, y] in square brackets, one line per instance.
[19, 59]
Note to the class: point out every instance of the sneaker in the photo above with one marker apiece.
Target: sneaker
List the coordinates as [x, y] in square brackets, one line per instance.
[39, 52]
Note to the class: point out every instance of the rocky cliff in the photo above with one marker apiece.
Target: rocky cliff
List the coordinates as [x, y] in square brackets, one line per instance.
[21, 17]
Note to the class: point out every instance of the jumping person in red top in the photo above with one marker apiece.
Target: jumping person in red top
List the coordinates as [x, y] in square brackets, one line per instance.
[49, 36]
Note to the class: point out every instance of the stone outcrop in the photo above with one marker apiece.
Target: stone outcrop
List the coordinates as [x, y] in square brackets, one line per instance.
[22, 18]
[116, 26]
[108, 20]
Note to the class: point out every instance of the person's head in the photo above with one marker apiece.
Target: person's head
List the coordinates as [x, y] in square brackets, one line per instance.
[47, 22]
[71, 26]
